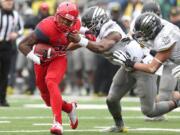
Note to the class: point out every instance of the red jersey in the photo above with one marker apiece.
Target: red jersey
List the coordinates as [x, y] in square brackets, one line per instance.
[47, 32]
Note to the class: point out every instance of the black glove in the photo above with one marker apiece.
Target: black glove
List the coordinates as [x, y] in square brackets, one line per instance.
[121, 58]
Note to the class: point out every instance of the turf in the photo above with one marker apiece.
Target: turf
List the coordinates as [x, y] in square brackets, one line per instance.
[20, 120]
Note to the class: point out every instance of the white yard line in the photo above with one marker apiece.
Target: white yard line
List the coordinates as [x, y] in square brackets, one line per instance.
[81, 118]
[47, 124]
[92, 107]
[144, 129]
[28, 117]
[4, 122]
[15, 98]
[156, 129]
[94, 130]
[24, 131]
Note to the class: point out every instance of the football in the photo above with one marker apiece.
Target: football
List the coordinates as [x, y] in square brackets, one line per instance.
[44, 51]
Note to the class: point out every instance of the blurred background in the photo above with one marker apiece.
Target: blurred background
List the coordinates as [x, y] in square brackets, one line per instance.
[88, 73]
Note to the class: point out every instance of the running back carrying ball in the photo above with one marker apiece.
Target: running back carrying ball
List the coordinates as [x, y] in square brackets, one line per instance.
[44, 51]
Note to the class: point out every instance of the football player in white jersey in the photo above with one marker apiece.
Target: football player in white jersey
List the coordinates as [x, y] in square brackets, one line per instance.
[167, 83]
[160, 35]
[110, 37]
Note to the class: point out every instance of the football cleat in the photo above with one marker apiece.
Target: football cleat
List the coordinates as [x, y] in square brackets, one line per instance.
[157, 118]
[56, 129]
[116, 129]
[73, 117]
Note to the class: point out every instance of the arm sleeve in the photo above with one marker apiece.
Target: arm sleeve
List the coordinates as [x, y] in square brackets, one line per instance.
[41, 32]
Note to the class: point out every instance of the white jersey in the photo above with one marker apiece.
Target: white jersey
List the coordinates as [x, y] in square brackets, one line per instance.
[109, 27]
[130, 46]
[167, 37]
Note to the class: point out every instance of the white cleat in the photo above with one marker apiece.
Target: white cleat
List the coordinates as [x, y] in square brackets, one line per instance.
[73, 117]
[116, 129]
[157, 118]
[56, 129]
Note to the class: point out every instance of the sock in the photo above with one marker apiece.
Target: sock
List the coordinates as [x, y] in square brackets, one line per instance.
[66, 107]
[115, 110]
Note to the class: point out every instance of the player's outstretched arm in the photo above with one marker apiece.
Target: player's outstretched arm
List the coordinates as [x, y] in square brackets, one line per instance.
[97, 47]
[73, 46]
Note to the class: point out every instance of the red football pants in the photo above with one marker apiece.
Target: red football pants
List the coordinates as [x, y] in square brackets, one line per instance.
[48, 78]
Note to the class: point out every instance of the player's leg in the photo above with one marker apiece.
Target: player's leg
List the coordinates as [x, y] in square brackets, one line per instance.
[122, 82]
[40, 73]
[166, 89]
[54, 76]
[147, 92]
[167, 84]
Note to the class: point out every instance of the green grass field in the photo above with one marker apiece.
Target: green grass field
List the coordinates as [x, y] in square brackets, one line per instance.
[27, 116]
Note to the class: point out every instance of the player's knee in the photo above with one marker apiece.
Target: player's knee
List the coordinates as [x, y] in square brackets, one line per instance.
[147, 111]
[111, 99]
[50, 82]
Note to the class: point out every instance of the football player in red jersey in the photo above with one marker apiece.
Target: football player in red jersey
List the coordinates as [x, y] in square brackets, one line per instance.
[53, 31]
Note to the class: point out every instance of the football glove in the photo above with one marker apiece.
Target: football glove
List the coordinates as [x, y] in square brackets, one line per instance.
[176, 72]
[123, 59]
[33, 57]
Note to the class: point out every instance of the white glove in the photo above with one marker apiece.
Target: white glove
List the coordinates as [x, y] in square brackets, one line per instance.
[176, 72]
[33, 57]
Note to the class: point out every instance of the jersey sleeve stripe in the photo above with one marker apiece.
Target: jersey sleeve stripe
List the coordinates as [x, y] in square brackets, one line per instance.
[41, 36]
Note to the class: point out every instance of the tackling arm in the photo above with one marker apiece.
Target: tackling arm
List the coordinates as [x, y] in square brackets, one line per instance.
[97, 47]
[152, 67]
[73, 46]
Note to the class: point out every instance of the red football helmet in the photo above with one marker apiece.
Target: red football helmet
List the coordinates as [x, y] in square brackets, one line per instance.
[66, 15]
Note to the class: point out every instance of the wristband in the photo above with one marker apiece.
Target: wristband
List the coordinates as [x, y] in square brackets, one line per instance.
[33, 57]
[83, 42]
